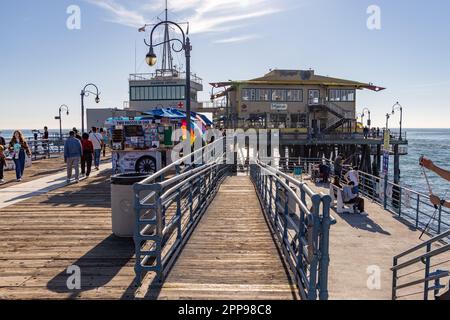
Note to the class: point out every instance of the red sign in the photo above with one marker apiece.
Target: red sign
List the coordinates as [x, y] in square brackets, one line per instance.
[181, 105]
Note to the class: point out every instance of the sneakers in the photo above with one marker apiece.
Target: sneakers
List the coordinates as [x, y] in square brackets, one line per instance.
[18, 180]
[2, 181]
[67, 181]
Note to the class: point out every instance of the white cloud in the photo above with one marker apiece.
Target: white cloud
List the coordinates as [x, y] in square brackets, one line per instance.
[119, 14]
[238, 39]
[203, 15]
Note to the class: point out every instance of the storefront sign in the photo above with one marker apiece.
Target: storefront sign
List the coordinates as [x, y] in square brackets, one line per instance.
[279, 106]
[387, 140]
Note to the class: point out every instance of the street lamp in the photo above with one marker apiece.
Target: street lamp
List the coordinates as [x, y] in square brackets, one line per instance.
[185, 43]
[85, 93]
[61, 108]
[395, 107]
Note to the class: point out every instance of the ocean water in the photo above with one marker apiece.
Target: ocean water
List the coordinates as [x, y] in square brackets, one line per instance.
[433, 144]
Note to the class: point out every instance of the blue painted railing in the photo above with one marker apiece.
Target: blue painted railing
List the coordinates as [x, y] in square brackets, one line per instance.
[413, 207]
[425, 266]
[301, 221]
[169, 205]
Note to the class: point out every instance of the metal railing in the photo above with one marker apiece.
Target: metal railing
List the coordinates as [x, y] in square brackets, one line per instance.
[157, 75]
[421, 259]
[167, 210]
[413, 207]
[302, 232]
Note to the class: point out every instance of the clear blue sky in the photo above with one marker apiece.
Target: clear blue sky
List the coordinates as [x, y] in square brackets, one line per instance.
[43, 64]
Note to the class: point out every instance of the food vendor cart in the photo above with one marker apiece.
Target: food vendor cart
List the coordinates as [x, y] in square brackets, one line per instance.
[144, 144]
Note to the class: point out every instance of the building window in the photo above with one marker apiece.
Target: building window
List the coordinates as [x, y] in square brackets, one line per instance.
[278, 95]
[263, 94]
[248, 95]
[342, 95]
[298, 120]
[153, 93]
[278, 120]
[294, 95]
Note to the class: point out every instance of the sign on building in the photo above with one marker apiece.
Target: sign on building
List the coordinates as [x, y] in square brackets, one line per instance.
[279, 106]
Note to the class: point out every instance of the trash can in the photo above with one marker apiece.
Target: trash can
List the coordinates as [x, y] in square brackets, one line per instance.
[122, 200]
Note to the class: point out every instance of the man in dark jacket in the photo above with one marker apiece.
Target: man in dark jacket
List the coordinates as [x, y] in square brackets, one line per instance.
[72, 155]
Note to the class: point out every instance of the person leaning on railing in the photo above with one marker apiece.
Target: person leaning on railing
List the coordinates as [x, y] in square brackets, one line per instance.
[427, 163]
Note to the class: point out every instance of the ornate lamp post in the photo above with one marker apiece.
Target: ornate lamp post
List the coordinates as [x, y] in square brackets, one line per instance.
[61, 108]
[185, 43]
[395, 107]
[85, 93]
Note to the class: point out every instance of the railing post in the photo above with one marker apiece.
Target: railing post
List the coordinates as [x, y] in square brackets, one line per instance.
[324, 248]
[385, 189]
[191, 198]
[439, 219]
[417, 211]
[179, 215]
[394, 279]
[427, 273]
[286, 215]
[312, 288]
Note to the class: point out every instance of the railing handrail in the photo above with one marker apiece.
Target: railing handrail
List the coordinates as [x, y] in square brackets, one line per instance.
[176, 163]
[425, 244]
[420, 258]
[151, 75]
[304, 243]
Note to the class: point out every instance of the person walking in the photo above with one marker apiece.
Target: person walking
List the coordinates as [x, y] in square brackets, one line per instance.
[105, 140]
[2, 163]
[96, 139]
[2, 158]
[19, 149]
[72, 154]
[76, 134]
[88, 155]
[338, 166]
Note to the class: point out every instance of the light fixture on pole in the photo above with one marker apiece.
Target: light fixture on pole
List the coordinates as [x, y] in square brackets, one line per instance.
[85, 93]
[395, 107]
[61, 108]
[151, 59]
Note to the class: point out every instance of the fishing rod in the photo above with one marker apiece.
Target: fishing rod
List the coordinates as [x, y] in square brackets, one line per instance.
[436, 207]
[432, 218]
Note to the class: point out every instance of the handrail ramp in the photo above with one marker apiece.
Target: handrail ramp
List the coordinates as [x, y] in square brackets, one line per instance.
[167, 210]
[302, 232]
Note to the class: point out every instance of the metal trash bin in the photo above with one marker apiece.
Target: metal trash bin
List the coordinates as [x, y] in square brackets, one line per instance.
[122, 197]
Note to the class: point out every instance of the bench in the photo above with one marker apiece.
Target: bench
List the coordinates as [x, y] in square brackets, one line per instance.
[337, 201]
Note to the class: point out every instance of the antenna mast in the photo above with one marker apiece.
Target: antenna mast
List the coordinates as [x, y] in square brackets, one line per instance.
[167, 60]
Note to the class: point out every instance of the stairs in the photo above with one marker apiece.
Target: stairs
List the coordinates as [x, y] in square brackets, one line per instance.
[342, 116]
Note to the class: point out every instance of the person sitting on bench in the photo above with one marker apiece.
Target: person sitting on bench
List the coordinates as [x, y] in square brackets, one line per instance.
[324, 171]
[350, 195]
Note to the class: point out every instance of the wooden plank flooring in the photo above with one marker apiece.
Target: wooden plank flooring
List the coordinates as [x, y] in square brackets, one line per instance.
[231, 254]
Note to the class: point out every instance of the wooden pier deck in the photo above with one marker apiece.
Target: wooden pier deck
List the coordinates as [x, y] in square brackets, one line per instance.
[231, 254]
